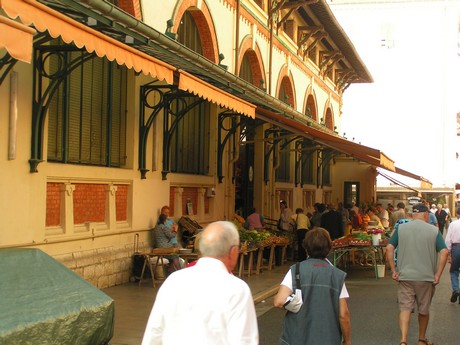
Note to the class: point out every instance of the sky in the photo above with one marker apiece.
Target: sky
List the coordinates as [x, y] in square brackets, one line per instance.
[411, 50]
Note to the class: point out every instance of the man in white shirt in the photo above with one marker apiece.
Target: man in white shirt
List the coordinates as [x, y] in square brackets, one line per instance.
[453, 245]
[383, 216]
[206, 304]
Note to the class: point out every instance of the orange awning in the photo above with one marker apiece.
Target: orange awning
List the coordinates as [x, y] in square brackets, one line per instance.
[188, 82]
[424, 182]
[16, 38]
[360, 152]
[44, 18]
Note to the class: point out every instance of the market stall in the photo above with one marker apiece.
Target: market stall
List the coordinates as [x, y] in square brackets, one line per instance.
[262, 248]
[360, 248]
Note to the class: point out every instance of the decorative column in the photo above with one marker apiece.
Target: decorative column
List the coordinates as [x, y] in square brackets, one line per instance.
[178, 202]
[200, 206]
[110, 208]
[67, 190]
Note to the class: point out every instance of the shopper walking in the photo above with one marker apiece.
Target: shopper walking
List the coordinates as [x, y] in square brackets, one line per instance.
[453, 245]
[205, 304]
[302, 225]
[418, 270]
[441, 216]
[285, 222]
[323, 318]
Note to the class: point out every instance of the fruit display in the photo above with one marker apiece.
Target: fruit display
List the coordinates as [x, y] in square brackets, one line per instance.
[263, 238]
[356, 239]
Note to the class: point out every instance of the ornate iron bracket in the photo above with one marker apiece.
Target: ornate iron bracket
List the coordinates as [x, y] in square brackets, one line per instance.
[323, 157]
[247, 126]
[7, 63]
[148, 94]
[45, 84]
[221, 142]
[277, 135]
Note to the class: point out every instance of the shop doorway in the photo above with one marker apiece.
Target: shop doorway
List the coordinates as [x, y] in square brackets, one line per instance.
[244, 180]
[351, 194]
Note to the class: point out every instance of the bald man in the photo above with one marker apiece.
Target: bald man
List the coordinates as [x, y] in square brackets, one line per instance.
[205, 304]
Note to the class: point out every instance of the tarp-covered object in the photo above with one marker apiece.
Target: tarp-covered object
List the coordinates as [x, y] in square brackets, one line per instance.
[44, 302]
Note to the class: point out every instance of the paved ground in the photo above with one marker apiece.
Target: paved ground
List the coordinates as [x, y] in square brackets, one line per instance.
[373, 307]
[374, 313]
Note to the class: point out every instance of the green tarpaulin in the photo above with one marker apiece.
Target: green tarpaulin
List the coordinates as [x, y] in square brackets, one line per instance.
[43, 302]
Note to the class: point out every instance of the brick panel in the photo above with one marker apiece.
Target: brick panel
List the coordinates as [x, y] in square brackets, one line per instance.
[171, 201]
[89, 202]
[53, 204]
[132, 7]
[190, 193]
[121, 203]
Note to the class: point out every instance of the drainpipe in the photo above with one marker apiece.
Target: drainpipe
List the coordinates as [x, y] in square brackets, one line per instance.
[270, 57]
[237, 36]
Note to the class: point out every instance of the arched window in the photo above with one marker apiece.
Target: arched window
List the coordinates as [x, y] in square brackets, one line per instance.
[246, 69]
[329, 122]
[190, 141]
[188, 34]
[286, 94]
[310, 109]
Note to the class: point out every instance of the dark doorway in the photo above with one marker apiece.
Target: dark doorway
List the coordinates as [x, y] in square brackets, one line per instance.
[351, 194]
[244, 180]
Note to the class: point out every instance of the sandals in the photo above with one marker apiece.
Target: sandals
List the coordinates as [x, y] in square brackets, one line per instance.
[425, 341]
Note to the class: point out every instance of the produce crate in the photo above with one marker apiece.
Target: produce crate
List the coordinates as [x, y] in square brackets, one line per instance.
[189, 224]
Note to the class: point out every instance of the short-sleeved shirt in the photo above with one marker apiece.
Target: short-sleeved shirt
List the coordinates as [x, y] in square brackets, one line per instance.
[440, 243]
[418, 244]
[287, 281]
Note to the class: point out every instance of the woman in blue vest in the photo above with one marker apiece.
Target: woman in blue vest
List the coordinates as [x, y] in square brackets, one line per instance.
[323, 318]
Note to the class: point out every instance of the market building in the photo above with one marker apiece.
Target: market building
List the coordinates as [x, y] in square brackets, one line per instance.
[117, 108]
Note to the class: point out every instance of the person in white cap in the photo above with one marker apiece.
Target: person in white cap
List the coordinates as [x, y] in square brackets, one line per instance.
[418, 272]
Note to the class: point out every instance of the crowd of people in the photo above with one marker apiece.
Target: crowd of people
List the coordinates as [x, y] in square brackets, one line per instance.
[222, 308]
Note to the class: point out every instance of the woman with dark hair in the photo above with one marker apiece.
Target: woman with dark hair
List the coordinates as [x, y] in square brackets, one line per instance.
[323, 317]
[164, 237]
[441, 217]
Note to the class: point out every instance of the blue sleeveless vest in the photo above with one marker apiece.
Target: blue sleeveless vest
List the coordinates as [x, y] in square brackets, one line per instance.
[317, 322]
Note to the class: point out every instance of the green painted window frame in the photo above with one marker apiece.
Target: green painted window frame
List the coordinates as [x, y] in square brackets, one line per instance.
[87, 114]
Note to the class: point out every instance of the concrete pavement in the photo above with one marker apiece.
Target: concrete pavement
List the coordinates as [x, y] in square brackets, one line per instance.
[373, 307]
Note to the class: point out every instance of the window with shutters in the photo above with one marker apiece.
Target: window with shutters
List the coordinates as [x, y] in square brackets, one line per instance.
[326, 169]
[190, 141]
[284, 156]
[87, 114]
[306, 164]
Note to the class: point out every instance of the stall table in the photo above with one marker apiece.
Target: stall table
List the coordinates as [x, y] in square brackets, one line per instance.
[375, 254]
[271, 258]
[159, 254]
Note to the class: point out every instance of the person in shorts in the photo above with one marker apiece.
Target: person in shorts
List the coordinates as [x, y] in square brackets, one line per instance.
[419, 269]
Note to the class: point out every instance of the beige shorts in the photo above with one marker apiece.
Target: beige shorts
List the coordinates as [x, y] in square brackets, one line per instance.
[411, 292]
